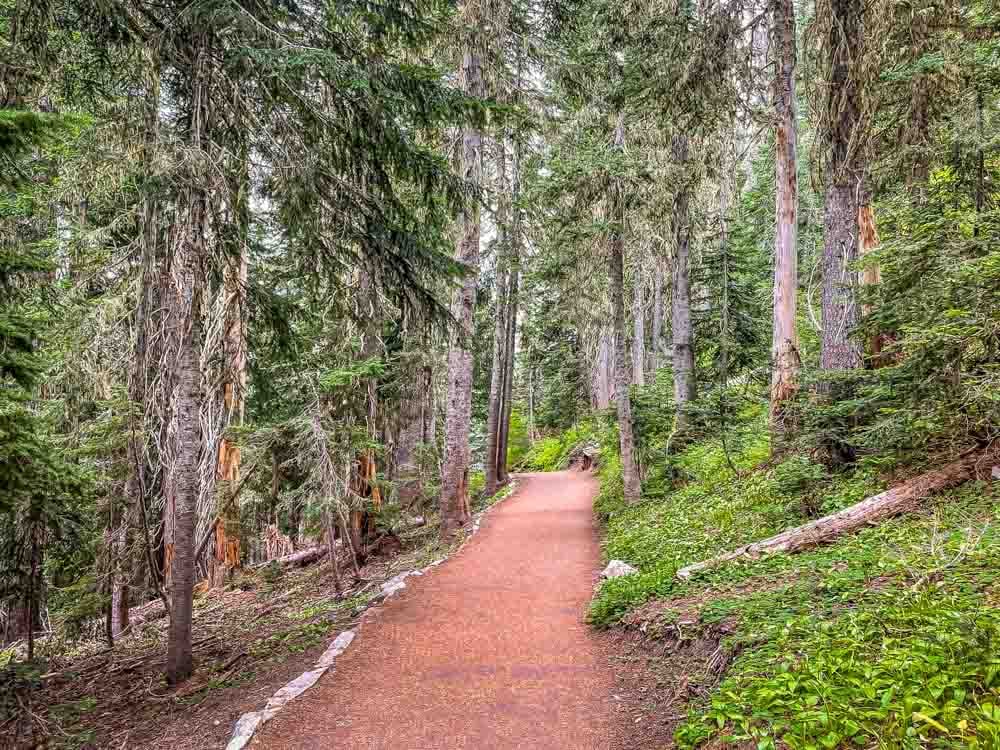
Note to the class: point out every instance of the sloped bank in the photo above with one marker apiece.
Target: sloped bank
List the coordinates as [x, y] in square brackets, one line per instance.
[887, 635]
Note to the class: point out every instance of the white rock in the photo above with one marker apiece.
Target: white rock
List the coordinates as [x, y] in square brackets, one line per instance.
[995, 472]
[617, 569]
[397, 583]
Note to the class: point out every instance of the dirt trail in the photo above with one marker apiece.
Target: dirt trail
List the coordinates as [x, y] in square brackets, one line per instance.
[489, 651]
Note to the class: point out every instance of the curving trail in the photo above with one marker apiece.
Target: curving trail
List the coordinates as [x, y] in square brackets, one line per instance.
[488, 651]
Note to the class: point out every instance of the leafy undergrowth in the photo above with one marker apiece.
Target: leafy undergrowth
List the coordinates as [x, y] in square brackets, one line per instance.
[553, 453]
[887, 638]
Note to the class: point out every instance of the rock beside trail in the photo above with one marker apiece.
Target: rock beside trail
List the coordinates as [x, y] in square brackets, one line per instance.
[617, 569]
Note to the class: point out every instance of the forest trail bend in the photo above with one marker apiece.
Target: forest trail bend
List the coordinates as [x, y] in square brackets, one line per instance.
[488, 651]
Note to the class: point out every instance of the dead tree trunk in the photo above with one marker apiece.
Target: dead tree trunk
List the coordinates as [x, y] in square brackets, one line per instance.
[455, 471]
[616, 281]
[784, 341]
[685, 388]
[899, 499]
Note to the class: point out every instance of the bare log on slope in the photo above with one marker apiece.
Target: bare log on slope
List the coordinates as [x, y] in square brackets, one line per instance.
[899, 499]
[297, 559]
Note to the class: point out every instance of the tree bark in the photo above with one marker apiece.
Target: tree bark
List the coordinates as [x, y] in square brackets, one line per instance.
[838, 349]
[603, 373]
[616, 282]
[656, 344]
[685, 387]
[226, 557]
[512, 300]
[455, 471]
[873, 510]
[785, 359]
[638, 329]
[185, 329]
[498, 370]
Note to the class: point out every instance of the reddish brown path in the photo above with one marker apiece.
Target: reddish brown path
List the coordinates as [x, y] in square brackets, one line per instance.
[488, 651]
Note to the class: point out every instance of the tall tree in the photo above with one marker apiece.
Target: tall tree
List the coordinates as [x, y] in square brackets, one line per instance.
[839, 349]
[616, 284]
[685, 384]
[784, 339]
[455, 470]
[188, 258]
[638, 328]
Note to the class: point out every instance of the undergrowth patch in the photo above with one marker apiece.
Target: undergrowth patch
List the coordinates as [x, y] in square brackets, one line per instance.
[887, 638]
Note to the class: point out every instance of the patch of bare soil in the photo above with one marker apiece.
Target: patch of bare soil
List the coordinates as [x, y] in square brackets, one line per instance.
[250, 639]
[668, 659]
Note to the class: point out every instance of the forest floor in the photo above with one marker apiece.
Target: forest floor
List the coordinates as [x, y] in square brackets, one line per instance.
[489, 651]
[263, 630]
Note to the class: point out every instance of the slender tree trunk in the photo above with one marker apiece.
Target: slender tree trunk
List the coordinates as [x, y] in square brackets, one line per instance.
[497, 386]
[509, 350]
[411, 435]
[455, 473]
[656, 345]
[498, 370]
[871, 274]
[603, 370]
[616, 282]
[838, 349]
[227, 532]
[784, 340]
[186, 293]
[514, 278]
[639, 329]
[685, 388]
[144, 361]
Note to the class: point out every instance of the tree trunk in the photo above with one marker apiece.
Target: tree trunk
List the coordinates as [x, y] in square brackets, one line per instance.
[227, 537]
[616, 282]
[838, 349]
[146, 358]
[603, 374]
[186, 291]
[656, 344]
[873, 510]
[411, 435]
[639, 329]
[785, 359]
[871, 274]
[498, 370]
[455, 472]
[497, 387]
[512, 300]
[685, 389]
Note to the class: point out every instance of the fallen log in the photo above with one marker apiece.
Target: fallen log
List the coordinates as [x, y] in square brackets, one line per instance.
[893, 502]
[297, 559]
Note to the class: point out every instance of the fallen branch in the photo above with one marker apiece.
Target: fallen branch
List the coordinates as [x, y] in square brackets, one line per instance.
[899, 499]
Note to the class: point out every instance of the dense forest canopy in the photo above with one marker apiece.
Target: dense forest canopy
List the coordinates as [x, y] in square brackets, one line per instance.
[274, 275]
